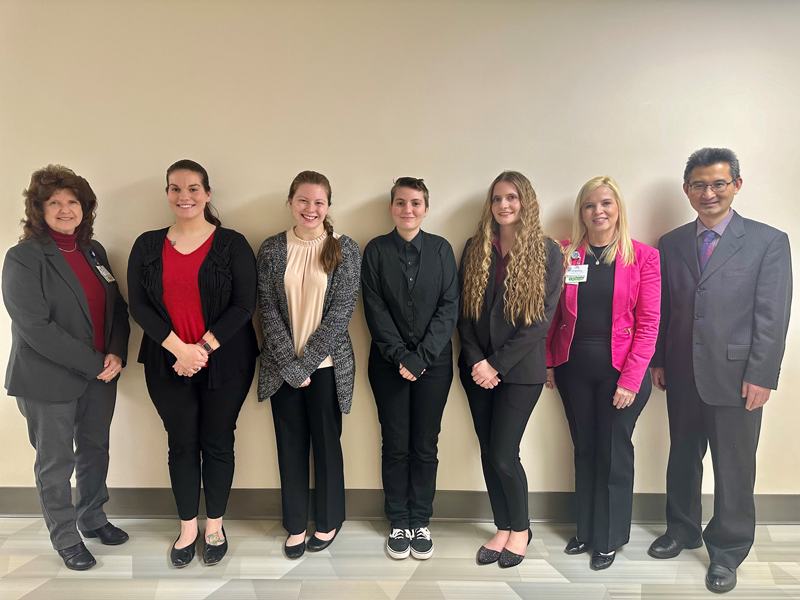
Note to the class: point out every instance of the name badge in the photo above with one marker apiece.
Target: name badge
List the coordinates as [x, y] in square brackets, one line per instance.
[576, 274]
[105, 273]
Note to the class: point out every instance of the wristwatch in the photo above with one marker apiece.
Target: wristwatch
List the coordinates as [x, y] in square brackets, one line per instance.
[205, 345]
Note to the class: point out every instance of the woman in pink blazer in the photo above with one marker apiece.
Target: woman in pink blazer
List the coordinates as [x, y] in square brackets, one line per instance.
[598, 349]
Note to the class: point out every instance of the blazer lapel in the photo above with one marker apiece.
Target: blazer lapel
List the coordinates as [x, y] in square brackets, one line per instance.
[62, 267]
[688, 249]
[728, 245]
[622, 288]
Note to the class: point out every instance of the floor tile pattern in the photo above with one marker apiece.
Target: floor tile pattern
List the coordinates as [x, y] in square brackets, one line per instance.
[356, 567]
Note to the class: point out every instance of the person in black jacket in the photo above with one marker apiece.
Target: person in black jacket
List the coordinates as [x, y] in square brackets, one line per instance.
[410, 288]
[69, 342]
[511, 280]
[192, 289]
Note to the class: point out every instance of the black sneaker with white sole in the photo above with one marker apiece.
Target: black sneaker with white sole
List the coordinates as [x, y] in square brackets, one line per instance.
[398, 544]
[421, 543]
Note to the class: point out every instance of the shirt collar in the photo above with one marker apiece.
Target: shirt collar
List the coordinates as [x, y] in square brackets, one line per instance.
[401, 243]
[719, 228]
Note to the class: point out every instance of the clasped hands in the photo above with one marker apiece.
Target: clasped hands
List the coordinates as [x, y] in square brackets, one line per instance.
[191, 358]
[112, 365]
[485, 375]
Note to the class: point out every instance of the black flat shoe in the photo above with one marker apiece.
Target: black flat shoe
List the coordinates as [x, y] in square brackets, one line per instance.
[77, 557]
[510, 559]
[720, 579]
[315, 544]
[294, 552]
[486, 556]
[602, 561]
[668, 547]
[107, 534]
[213, 554]
[576, 547]
[181, 557]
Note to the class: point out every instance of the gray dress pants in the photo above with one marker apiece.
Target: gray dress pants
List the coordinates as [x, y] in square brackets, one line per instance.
[71, 435]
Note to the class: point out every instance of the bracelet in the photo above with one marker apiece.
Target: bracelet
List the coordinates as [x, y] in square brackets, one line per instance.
[205, 345]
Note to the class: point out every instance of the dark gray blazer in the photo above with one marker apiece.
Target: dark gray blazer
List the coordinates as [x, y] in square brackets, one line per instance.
[729, 324]
[279, 363]
[52, 337]
[516, 352]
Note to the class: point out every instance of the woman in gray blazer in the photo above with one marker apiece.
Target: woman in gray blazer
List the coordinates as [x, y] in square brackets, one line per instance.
[69, 341]
[307, 289]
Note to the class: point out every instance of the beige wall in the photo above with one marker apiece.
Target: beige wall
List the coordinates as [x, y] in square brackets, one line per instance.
[365, 92]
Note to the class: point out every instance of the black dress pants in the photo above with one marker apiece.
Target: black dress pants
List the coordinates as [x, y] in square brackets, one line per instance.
[500, 416]
[732, 433]
[200, 423]
[303, 415]
[410, 413]
[601, 434]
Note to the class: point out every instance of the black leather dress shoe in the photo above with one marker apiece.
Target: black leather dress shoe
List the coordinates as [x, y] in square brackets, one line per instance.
[107, 534]
[720, 579]
[510, 559]
[77, 557]
[315, 544]
[213, 554]
[576, 547]
[667, 547]
[294, 551]
[181, 557]
[602, 561]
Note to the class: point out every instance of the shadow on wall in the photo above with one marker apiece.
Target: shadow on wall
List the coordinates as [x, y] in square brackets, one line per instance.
[664, 207]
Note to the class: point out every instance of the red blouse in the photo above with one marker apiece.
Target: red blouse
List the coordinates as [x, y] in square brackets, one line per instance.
[181, 290]
[90, 282]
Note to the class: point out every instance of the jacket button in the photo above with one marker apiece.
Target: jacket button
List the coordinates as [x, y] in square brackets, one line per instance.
[697, 317]
[409, 319]
[410, 334]
[701, 289]
[410, 303]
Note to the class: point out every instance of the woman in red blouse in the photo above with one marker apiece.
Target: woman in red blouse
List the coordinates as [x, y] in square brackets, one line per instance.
[193, 290]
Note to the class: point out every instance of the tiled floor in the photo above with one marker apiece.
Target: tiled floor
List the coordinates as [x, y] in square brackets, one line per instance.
[356, 567]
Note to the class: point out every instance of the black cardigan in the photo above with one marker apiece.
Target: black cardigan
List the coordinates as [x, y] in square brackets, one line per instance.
[228, 284]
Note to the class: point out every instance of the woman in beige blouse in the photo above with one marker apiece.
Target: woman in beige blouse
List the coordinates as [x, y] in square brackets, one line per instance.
[308, 281]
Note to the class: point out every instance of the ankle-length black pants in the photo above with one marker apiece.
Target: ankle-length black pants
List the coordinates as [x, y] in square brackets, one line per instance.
[601, 434]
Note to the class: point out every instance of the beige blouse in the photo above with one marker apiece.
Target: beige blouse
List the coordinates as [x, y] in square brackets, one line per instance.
[305, 283]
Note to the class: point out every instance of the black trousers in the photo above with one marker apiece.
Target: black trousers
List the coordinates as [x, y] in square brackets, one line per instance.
[71, 436]
[410, 413]
[303, 415]
[500, 416]
[200, 423]
[732, 433]
[601, 434]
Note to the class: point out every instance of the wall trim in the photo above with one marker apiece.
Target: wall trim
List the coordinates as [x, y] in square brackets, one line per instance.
[367, 504]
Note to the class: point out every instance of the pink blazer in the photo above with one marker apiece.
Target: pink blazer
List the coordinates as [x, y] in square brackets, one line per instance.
[635, 315]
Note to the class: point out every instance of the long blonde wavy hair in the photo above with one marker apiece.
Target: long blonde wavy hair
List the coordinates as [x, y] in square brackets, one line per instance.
[622, 240]
[527, 260]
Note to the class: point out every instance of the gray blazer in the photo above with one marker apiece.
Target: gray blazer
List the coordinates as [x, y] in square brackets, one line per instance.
[52, 337]
[278, 360]
[729, 324]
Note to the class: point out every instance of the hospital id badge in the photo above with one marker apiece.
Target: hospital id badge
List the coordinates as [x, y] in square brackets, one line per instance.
[105, 273]
[576, 274]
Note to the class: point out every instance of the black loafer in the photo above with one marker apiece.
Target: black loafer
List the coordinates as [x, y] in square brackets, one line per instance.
[107, 534]
[668, 547]
[576, 547]
[77, 557]
[181, 557]
[720, 579]
[315, 544]
[213, 554]
[294, 552]
[602, 561]
[510, 559]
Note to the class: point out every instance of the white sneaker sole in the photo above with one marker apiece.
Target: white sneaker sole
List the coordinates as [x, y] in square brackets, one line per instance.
[422, 555]
[398, 555]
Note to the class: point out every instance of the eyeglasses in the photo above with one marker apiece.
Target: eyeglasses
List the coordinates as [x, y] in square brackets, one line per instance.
[717, 186]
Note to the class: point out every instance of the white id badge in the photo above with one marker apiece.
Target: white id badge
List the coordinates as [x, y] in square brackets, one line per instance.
[105, 273]
[576, 274]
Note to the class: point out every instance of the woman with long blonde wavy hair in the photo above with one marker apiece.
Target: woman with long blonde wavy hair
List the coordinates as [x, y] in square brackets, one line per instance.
[511, 277]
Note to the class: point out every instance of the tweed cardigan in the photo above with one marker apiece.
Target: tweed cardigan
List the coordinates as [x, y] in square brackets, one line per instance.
[279, 362]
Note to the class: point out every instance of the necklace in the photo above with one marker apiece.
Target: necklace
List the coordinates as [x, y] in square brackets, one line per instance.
[75, 247]
[590, 251]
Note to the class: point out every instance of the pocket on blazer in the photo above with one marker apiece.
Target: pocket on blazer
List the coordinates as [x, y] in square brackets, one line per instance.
[738, 351]
[739, 272]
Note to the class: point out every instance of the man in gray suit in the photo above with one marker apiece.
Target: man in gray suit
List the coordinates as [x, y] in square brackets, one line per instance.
[726, 296]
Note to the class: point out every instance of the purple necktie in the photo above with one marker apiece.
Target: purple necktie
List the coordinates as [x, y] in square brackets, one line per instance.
[706, 248]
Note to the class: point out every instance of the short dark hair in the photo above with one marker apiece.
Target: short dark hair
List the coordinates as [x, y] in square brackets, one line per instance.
[189, 165]
[410, 182]
[46, 182]
[705, 157]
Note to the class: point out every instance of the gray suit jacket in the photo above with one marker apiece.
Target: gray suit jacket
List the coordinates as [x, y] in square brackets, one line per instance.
[729, 324]
[52, 337]
[279, 363]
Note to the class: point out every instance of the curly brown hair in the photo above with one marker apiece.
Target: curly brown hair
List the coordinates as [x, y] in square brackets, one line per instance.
[46, 182]
[527, 263]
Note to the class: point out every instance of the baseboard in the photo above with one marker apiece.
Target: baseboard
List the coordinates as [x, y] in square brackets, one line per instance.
[450, 505]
